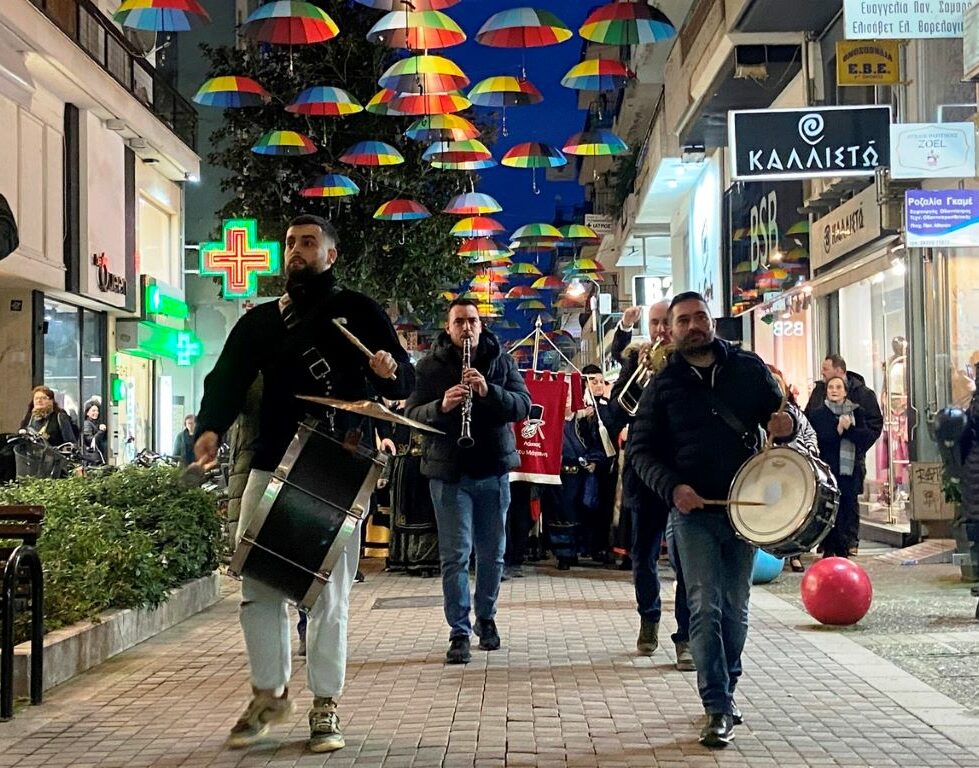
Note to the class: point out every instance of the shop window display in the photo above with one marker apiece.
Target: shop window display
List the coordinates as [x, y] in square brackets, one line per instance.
[963, 294]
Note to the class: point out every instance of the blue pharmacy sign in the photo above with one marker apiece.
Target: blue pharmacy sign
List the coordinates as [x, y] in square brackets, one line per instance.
[941, 218]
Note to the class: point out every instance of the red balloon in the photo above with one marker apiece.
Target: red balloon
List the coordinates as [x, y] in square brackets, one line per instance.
[837, 591]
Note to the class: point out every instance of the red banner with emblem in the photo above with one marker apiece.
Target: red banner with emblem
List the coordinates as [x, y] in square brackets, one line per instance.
[541, 434]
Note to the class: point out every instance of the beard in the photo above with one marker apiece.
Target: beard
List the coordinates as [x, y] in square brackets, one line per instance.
[694, 342]
[299, 275]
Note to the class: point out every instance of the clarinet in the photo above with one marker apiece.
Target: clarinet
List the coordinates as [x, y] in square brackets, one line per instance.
[465, 438]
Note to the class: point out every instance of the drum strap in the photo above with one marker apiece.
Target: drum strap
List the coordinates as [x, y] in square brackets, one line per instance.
[750, 437]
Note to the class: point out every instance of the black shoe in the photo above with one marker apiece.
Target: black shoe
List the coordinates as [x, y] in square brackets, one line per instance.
[718, 732]
[648, 640]
[626, 564]
[458, 652]
[514, 571]
[736, 714]
[563, 565]
[489, 638]
[359, 577]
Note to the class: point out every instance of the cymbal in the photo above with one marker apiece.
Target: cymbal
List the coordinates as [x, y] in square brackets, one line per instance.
[372, 409]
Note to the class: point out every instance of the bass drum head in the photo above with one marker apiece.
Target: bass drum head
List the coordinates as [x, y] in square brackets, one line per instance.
[783, 479]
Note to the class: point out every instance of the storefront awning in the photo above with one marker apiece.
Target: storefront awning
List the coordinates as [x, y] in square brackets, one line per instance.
[747, 80]
[782, 16]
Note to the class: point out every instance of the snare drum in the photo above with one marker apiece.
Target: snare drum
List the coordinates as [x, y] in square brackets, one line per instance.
[311, 507]
[800, 498]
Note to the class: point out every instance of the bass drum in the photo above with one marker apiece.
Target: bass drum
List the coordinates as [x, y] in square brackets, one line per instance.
[798, 496]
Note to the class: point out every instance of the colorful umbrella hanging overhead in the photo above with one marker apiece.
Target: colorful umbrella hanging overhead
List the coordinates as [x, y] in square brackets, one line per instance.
[417, 30]
[628, 23]
[595, 143]
[472, 204]
[597, 75]
[539, 231]
[161, 15]
[289, 22]
[424, 74]
[578, 235]
[476, 226]
[401, 209]
[523, 268]
[284, 143]
[331, 185]
[441, 128]
[549, 282]
[457, 151]
[505, 91]
[523, 28]
[481, 249]
[522, 292]
[325, 101]
[534, 155]
[429, 103]
[469, 165]
[380, 104]
[408, 5]
[371, 154]
[232, 92]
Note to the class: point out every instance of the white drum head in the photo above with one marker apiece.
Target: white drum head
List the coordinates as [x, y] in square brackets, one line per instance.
[783, 479]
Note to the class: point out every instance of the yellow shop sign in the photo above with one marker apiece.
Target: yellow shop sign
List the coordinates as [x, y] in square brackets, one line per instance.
[868, 62]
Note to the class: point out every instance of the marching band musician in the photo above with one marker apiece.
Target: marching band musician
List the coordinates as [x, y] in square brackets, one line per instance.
[468, 466]
[698, 422]
[649, 514]
[298, 351]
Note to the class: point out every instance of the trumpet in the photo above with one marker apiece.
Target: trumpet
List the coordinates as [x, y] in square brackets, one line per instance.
[465, 437]
[652, 359]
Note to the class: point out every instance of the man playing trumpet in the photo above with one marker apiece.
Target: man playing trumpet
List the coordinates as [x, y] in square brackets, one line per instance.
[468, 466]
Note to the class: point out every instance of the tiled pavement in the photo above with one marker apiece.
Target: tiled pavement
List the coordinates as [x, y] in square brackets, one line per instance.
[566, 690]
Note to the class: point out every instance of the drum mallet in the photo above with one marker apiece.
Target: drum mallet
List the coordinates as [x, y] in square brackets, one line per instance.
[341, 323]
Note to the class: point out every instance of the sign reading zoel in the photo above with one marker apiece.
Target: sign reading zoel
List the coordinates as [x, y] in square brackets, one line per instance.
[807, 143]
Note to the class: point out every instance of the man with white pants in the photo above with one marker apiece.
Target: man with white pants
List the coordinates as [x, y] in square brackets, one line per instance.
[296, 348]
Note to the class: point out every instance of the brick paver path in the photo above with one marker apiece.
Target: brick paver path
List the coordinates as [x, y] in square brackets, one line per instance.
[566, 690]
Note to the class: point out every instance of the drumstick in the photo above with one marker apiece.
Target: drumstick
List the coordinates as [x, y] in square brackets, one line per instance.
[341, 323]
[738, 502]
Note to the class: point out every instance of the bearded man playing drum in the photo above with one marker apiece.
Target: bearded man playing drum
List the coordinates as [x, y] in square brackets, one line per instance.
[298, 351]
[698, 422]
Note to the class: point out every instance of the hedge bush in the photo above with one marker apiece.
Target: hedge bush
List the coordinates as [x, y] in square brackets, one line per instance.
[118, 540]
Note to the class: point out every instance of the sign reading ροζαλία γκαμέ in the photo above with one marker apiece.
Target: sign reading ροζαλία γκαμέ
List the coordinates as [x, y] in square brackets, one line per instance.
[941, 218]
[781, 144]
[903, 19]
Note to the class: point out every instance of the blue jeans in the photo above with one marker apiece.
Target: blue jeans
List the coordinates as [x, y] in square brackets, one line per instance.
[647, 538]
[470, 513]
[681, 610]
[717, 570]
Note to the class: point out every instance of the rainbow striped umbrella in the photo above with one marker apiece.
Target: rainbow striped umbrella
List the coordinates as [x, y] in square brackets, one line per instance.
[331, 185]
[532, 304]
[441, 128]
[483, 249]
[534, 155]
[550, 282]
[424, 74]
[408, 5]
[477, 226]
[457, 151]
[523, 28]
[231, 92]
[522, 292]
[579, 234]
[524, 268]
[401, 209]
[469, 165]
[161, 15]
[505, 91]
[325, 101]
[284, 143]
[417, 30]
[380, 104]
[627, 24]
[534, 245]
[472, 204]
[595, 143]
[372, 154]
[429, 103]
[289, 22]
[597, 75]
[539, 231]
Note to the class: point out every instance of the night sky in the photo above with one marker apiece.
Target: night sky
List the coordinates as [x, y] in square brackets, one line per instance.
[552, 121]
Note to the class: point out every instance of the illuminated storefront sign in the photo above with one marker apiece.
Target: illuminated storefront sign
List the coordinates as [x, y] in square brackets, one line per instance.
[239, 259]
[868, 62]
[142, 338]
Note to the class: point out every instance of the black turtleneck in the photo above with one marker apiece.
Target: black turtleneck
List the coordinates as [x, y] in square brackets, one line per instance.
[261, 343]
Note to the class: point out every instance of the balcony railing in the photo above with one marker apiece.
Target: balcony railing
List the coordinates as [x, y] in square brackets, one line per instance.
[99, 38]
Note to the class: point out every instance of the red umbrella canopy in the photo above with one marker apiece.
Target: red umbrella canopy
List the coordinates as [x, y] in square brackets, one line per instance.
[290, 22]
[523, 28]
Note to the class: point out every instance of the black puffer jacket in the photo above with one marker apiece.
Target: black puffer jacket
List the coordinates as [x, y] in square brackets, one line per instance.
[494, 451]
[677, 438]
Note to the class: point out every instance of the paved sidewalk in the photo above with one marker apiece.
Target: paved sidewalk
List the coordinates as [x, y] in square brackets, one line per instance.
[565, 690]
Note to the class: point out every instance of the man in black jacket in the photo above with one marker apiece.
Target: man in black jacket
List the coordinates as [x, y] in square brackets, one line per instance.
[299, 351]
[470, 486]
[649, 514]
[698, 422]
[857, 391]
